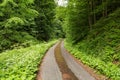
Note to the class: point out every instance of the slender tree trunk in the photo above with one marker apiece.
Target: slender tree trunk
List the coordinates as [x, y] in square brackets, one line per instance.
[94, 5]
[104, 2]
[103, 12]
[106, 9]
[90, 15]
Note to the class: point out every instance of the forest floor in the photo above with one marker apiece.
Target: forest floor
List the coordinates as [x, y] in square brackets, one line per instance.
[58, 64]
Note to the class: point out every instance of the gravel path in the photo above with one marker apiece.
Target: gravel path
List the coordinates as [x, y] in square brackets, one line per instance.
[58, 64]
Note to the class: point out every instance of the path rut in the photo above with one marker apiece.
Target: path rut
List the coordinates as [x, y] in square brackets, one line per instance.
[67, 74]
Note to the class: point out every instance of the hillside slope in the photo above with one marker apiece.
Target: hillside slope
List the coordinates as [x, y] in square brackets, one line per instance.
[100, 49]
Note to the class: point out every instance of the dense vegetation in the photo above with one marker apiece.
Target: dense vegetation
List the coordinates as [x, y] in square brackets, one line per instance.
[22, 64]
[93, 28]
[23, 22]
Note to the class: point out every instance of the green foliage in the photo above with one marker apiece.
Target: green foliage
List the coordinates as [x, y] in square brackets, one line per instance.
[8, 39]
[22, 64]
[44, 21]
[75, 20]
[14, 22]
[104, 36]
[16, 19]
[31, 17]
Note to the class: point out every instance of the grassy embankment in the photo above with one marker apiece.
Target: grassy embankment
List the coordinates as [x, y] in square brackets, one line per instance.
[22, 64]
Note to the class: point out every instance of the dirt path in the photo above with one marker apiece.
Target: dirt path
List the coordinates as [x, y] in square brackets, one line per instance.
[58, 64]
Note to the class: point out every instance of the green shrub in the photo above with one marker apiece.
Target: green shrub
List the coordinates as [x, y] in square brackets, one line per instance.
[13, 39]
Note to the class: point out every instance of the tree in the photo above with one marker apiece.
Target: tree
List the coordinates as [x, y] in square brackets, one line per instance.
[76, 21]
[16, 18]
[45, 18]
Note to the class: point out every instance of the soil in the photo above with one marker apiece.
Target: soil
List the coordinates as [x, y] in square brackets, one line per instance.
[67, 74]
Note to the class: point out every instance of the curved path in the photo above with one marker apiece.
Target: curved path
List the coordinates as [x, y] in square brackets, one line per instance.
[58, 64]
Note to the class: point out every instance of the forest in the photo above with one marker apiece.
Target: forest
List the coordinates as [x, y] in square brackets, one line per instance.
[28, 28]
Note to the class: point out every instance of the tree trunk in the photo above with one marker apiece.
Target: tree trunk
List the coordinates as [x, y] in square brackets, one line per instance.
[104, 2]
[106, 9]
[94, 5]
[89, 14]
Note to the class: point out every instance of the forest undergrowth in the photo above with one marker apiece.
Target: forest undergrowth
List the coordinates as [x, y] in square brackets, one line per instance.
[22, 64]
